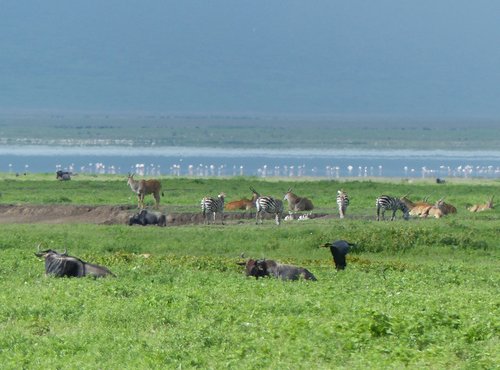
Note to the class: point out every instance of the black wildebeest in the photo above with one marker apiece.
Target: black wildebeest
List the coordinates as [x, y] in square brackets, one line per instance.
[263, 267]
[146, 217]
[60, 265]
[339, 249]
[63, 175]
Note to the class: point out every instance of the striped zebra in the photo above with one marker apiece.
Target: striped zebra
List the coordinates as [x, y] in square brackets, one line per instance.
[268, 205]
[213, 205]
[385, 202]
[342, 202]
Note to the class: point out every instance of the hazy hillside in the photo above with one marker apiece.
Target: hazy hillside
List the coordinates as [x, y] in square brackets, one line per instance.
[248, 132]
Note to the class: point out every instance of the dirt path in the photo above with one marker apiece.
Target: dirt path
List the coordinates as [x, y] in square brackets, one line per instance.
[102, 215]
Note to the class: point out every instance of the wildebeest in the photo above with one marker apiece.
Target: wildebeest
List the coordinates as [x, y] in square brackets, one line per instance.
[60, 265]
[145, 217]
[63, 175]
[143, 188]
[440, 181]
[296, 203]
[263, 268]
[482, 207]
[339, 249]
[243, 204]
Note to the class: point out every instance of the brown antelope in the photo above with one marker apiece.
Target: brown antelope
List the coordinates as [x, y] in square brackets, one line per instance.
[243, 204]
[296, 203]
[445, 207]
[435, 212]
[482, 207]
[420, 209]
[143, 188]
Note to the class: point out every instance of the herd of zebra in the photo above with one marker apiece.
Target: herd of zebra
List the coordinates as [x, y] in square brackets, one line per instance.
[211, 206]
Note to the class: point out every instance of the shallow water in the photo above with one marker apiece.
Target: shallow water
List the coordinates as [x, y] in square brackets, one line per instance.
[186, 161]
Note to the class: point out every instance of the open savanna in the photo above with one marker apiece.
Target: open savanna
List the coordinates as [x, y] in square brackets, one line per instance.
[422, 293]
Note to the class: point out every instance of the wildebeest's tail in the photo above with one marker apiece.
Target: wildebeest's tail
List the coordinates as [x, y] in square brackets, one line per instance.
[308, 275]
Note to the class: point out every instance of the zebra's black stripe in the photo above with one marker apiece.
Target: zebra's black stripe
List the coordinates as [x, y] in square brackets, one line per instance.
[213, 206]
[268, 205]
[385, 202]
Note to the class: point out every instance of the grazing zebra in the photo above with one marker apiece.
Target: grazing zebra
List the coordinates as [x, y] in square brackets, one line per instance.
[385, 202]
[342, 202]
[214, 206]
[268, 205]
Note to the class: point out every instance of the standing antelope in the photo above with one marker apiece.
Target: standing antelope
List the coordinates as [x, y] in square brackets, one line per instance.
[342, 202]
[214, 206]
[296, 203]
[385, 202]
[482, 207]
[268, 205]
[143, 188]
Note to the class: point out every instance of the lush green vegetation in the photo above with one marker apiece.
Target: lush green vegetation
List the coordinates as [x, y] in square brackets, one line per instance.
[416, 294]
[246, 131]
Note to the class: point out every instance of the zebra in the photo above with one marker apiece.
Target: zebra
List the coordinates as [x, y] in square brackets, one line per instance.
[268, 205]
[214, 206]
[342, 202]
[385, 202]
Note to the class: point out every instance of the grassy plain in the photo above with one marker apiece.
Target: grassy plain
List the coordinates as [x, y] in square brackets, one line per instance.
[416, 294]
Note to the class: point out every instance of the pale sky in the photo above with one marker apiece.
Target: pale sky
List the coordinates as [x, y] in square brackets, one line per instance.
[327, 57]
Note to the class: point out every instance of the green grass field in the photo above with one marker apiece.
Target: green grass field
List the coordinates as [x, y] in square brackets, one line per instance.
[417, 294]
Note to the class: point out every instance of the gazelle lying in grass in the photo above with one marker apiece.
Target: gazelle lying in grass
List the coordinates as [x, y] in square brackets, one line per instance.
[482, 207]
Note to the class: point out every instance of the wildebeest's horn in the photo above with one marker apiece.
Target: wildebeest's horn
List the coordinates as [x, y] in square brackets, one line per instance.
[242, 255]
[38, 247]
[65, 251]
[289, 190]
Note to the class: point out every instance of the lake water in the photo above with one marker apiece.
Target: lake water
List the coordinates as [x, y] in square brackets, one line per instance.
[184, 161]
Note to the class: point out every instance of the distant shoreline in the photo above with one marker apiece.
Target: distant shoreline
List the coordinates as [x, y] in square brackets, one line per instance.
[186, 151]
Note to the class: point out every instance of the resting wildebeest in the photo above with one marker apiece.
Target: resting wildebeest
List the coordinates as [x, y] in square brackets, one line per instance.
[63, 175]
[339, 249]
[60, 264]
[146, 217]
[263, 267]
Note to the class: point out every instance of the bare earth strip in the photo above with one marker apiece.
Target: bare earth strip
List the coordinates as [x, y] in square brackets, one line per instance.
[103, 215]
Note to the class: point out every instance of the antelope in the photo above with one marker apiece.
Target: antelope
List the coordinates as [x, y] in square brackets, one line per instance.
[143, 188]
[482, 207]
[296, 203]
[243, 204]
[445, 207]
[420, 209]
